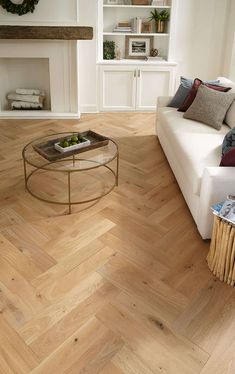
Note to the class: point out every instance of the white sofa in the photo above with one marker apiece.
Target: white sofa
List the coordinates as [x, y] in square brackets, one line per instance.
[193, 151]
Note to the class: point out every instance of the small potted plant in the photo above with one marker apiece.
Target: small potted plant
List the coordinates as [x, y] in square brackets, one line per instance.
[109, 50]
[161, 19]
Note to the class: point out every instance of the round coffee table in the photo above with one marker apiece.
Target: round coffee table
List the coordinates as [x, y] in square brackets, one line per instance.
[41, 173]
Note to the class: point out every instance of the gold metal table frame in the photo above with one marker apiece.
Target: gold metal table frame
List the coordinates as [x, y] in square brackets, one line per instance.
[74, 158]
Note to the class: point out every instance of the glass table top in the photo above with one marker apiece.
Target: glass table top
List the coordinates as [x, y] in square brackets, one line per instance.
[86, 160]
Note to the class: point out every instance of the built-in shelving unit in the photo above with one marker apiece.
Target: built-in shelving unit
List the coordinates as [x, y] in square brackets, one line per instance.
[109, 16]
[133, 83]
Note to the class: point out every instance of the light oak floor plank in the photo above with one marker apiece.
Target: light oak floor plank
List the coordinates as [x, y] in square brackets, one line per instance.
[120, 288]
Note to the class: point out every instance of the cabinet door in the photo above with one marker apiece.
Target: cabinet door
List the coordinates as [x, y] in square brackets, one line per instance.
[153, 82]
[117, 88]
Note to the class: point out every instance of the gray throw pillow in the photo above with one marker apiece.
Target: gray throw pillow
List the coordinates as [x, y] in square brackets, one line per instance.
[210, 107]
[183, 91]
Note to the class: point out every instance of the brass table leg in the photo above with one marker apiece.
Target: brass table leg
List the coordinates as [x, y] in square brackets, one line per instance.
[69, 192]
[25, 174]
[117, 172]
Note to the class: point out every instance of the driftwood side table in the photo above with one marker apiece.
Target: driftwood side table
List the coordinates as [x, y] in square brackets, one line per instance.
[221, 257]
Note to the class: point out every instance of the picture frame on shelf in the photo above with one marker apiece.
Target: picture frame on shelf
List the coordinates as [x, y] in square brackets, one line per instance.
[146, 27]
[138, 47]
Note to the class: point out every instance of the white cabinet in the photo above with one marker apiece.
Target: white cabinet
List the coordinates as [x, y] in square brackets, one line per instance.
[117, 88]
[127, 88]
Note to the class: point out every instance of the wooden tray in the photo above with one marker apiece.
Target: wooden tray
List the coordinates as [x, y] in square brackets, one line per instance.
[48, 151]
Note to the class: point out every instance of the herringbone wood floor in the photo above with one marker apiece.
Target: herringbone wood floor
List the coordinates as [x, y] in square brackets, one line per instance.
[122, 287]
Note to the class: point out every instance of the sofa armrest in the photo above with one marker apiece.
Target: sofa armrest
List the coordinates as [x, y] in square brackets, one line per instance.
[217, 183]
[163, 101]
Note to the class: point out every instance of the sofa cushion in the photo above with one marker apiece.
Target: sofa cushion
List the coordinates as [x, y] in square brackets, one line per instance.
[229, 158]
[230, 116]
[228, 142]
[180, 96]
[210, 107]
[184, 89]
[195, 145]
[193, 93]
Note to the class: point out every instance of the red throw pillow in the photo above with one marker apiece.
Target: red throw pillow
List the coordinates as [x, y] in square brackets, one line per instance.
[192, 94]
[229, 158]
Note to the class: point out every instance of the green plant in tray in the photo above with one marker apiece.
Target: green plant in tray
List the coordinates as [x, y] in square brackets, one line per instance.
[74, 140]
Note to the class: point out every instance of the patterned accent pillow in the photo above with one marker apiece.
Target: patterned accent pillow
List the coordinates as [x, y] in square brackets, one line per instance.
[193, 92]
[210, 107]
[228, 142]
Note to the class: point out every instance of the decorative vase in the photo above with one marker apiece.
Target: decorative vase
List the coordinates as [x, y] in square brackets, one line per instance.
[161, 26]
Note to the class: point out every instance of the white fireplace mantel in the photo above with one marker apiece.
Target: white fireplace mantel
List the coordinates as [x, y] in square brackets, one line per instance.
[61, 57]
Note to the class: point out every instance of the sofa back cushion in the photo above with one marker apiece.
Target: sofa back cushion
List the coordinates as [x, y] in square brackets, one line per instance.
[210, 106]
[227, 83]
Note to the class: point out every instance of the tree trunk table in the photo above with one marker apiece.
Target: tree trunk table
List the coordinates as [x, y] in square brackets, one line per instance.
[221, 257]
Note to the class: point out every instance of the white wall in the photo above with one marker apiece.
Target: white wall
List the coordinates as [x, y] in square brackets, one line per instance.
[229, 42]
[200, 32]
[46, 12]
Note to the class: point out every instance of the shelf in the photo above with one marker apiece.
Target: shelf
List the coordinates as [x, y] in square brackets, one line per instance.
[137, 6]
[133, 34]
[136, 62]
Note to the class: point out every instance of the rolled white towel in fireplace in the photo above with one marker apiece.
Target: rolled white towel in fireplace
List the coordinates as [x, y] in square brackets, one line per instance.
[37, 99]
[30, 91]
[23, 105]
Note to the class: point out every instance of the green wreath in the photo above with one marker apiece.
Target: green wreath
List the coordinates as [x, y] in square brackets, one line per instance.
[20, 9]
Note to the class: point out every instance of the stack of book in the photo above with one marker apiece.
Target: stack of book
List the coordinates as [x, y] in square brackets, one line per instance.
[123, 27]
[26, 99]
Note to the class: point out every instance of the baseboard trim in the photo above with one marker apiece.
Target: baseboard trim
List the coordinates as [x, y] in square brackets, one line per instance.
[88, 109]
[38, 115]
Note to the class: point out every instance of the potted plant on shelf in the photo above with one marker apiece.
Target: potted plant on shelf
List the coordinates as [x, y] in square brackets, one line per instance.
[161, 19]
[109, 50]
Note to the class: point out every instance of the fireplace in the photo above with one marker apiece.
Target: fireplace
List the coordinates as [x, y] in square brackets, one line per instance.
[24, 73]
[48, 65]
[44, 63]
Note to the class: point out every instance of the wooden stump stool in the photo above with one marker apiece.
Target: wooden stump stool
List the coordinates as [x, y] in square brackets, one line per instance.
[221, 257]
